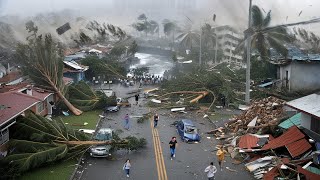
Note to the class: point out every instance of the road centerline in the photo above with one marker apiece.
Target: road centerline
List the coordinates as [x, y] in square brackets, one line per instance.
[162, 174]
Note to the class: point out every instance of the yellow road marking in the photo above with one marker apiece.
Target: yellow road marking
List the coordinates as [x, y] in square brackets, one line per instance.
[161, 168]
[155, 150]
[161, 156]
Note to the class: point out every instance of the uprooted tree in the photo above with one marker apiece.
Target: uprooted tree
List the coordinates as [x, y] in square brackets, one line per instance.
[41, 61]
[38, 141]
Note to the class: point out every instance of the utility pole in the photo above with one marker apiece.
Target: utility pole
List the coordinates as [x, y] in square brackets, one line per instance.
[200, 54]
[248, 45]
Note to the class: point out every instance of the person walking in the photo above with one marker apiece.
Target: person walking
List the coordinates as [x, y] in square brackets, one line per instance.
[156, 119]
[127, 167]
[137, 98]
[210, 170]
[220, 154]
[173, 143]
[126, 122]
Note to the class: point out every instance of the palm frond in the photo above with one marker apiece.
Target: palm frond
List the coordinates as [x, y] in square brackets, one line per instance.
[25, 161]
[257, 16]
[267, 20]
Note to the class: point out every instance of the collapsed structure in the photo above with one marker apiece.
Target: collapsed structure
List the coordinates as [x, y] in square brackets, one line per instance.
[271, 141]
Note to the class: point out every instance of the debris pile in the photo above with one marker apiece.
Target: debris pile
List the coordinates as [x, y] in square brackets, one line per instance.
[262, 113]
[268, 148]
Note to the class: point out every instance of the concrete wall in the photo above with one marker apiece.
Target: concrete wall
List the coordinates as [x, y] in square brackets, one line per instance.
[301, 75]
[305, 120]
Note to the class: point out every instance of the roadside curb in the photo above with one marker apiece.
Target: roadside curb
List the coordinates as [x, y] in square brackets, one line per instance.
[73, 176]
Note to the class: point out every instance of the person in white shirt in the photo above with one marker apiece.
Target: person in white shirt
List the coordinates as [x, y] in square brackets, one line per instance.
[210, 170]
[127, 167]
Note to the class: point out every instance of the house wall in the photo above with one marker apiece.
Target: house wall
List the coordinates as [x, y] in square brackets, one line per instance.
[49, 106]
[76, 76]
[35, 109]
[4, 149]
[305, 120]
[301, 76]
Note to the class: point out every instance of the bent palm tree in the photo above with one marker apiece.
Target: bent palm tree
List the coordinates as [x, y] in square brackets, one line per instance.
[44, 66]
[187, 39]
[261, 39]
[169, 28]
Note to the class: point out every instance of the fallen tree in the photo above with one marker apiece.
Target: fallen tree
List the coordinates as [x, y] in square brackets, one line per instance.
[37, 141]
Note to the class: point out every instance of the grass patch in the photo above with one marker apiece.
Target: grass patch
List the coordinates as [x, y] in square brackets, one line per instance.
[77, 122]
[219, 117]
[59, 171]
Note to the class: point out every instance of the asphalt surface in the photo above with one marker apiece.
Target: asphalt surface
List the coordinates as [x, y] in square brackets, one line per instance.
[190, 160]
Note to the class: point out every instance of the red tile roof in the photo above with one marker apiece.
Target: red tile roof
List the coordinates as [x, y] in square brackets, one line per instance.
[12, 104]
[15, 87]
[248, 141]
[40, 94]
[291, 135]
[297, 148]
[10, 77]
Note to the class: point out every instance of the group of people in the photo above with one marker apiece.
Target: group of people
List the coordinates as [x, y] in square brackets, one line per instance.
[210, 170]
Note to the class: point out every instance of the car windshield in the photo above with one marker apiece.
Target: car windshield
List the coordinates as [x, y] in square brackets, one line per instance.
[103, 136]
[191, 130]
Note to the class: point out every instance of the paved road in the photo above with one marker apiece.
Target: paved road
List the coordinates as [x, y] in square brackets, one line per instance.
[153, 163]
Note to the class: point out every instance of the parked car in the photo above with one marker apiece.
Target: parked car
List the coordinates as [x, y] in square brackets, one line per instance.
[123, 102]
[104, 134]
[188, 131]
[111, 109]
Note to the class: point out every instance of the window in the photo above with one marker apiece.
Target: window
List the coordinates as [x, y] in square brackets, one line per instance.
[191, 130]
[40, 107]
[315, 125]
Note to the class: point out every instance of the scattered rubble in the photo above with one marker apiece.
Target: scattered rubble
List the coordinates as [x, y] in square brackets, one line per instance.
[268, 150]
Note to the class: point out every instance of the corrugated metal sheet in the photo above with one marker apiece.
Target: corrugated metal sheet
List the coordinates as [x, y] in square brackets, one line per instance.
[291, 135]
[294, 120]
[248, 141]
[313, 170]
[308, 174]
[299, 147]
[308, 104]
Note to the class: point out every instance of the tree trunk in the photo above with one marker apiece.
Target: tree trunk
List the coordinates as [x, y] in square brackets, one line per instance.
[91, 142]
[73, 109]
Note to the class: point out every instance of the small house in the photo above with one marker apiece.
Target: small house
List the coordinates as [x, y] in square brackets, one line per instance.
[309, 108]
[74, 71]
[298, 71]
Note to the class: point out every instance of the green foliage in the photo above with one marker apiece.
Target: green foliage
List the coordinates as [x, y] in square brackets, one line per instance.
[107, 67]
[144, 118]
[86, 99]
[145, 25]
[133, 48]
[140, 71]
[135, 143]
[261, 70]
[118, 50]
[263, 39]
[33, 143]
[41, 62]
[197, 79]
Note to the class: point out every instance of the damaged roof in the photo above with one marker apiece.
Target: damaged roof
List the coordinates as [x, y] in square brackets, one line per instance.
[307, 104]
[248, 141]
[294, 120]
[293, 134]
[299, 147]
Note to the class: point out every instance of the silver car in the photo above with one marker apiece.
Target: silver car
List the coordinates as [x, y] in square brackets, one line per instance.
[100, 151]
[104, 134]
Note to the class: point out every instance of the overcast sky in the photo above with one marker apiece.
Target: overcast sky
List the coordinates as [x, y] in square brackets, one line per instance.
[228, 11]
